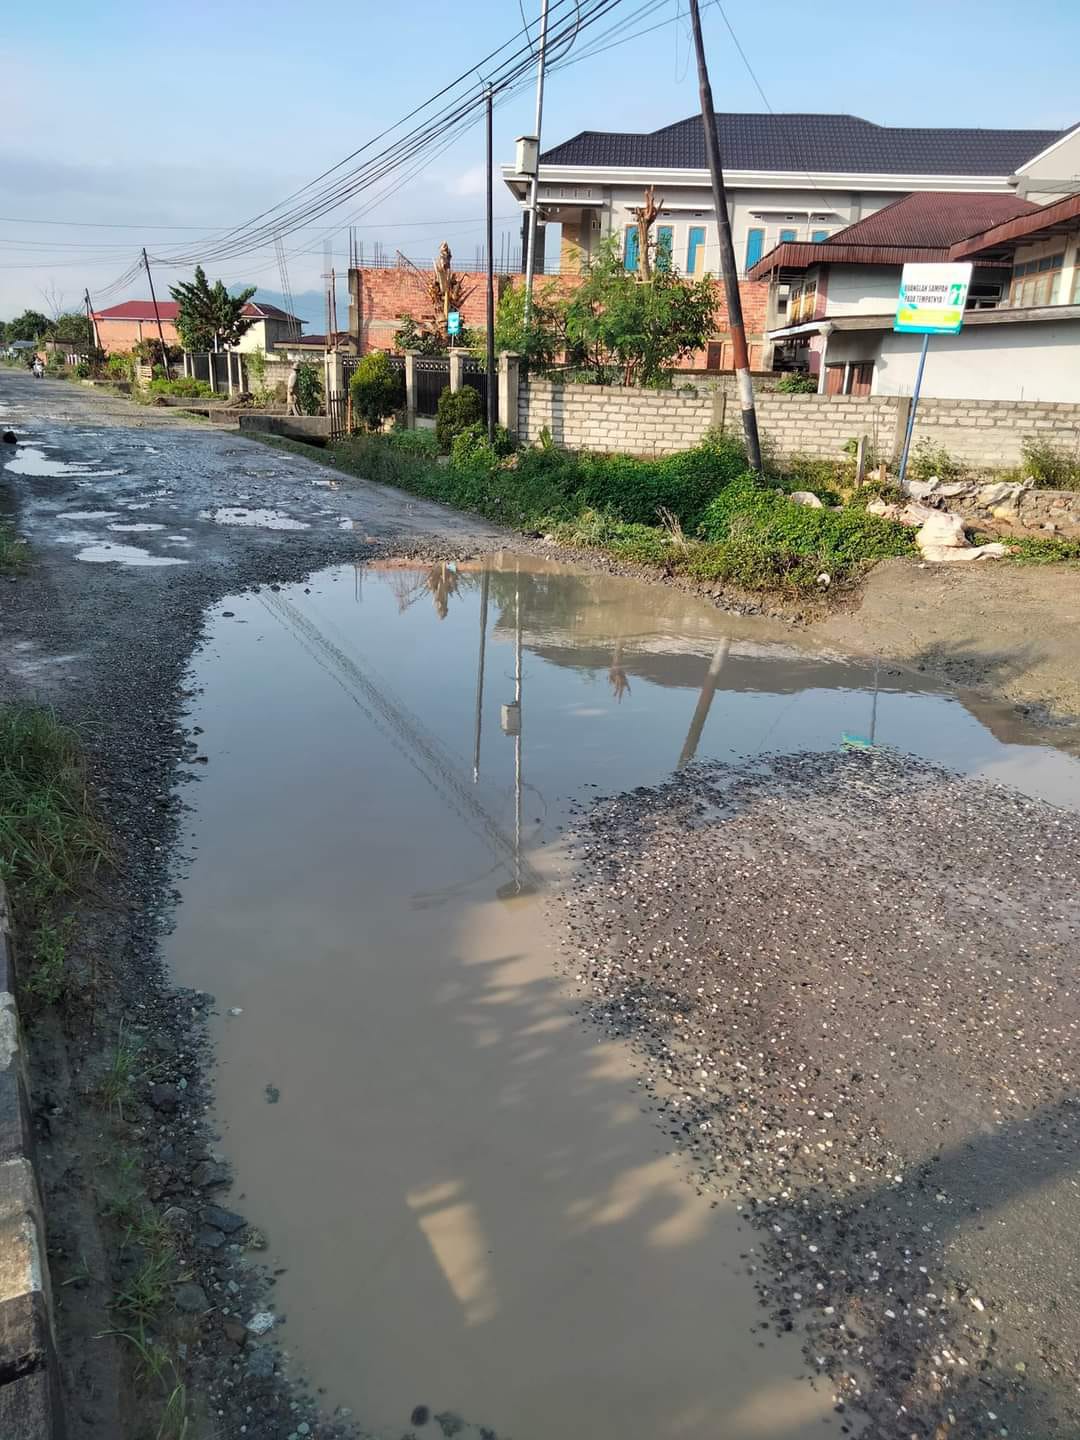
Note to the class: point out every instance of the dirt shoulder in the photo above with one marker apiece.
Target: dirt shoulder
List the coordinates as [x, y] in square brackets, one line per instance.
[1007, 630]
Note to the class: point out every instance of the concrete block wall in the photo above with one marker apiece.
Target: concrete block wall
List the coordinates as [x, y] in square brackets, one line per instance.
[30, 1401]
[986, 435]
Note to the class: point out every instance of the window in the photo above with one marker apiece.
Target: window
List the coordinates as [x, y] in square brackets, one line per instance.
[755, 244]
[1037, 282]
[694, 245]
[787, 235]
[630, 253]
[819, 235]
[1076, 287]
[665, 241]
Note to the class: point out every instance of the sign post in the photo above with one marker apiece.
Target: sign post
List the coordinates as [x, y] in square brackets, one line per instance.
[453, 324]
[931, 302]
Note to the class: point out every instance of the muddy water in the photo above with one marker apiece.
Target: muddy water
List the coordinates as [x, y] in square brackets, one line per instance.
[475, 1213]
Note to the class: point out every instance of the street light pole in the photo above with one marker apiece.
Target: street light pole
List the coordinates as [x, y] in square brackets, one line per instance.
[727, 251]
[534, 184]
[490, 306]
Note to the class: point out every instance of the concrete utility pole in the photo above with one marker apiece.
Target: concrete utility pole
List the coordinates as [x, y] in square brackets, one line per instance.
[157, 317]
[534, 185]
[727, 251]
[490, 277]
[91, 322]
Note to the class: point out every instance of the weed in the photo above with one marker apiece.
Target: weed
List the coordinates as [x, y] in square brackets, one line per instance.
[1052, 467]
[933, 462]
[49, 836]
[116, 1084]
[795, 382]
[1038, 549]
[48, 979]
[157, 1365]
[149, 1285]
[13, 550]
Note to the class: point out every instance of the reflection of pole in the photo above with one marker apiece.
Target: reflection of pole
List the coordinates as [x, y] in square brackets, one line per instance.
[484, 583]
[705, 699]
[517, 739]
[873, 704]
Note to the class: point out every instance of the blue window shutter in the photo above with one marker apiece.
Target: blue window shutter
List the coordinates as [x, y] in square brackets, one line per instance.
[695, 242]
[631, 252]
[786, 236]
[819, 235]
[755, 244]
[664, 243]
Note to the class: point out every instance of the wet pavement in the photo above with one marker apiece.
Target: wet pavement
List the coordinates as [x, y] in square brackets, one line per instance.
[474, 1213]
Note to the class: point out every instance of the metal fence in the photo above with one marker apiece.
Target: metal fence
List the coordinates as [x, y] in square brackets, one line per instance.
[474, 373]
[337, 410]
[432, 375]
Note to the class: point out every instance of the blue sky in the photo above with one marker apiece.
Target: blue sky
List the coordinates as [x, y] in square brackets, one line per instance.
[202, 115]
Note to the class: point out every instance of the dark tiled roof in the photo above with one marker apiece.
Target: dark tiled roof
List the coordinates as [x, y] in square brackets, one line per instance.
[932, 219]
[168, 310]
[842, 144]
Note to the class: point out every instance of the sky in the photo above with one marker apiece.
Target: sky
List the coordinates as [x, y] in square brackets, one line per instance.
[130, 125]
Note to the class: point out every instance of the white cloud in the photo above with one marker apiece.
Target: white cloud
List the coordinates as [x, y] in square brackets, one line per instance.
[471, 182]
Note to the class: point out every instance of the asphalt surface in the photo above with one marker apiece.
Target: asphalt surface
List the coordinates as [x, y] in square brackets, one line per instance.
[851, 982]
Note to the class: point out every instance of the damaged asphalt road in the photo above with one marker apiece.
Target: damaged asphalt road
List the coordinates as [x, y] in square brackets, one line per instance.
[851, 981]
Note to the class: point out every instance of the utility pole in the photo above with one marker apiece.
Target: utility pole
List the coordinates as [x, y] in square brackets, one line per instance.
[90, 321]
[157, 317]
[491, 382]
[534, 186]
[727, 251]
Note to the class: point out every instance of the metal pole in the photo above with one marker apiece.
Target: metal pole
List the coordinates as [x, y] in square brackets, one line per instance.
[914, 406]
[727, 251]
[517, 738]
[534, 187]
[484, 584]
[157, 317]
[491, 392]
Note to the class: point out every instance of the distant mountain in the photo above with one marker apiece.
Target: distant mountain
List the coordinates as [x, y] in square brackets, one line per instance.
[310, 305]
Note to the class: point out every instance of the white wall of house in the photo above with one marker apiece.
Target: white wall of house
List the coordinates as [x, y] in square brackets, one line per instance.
[264, 335]
[1053, 174]
[1028, 360]
[861, 289]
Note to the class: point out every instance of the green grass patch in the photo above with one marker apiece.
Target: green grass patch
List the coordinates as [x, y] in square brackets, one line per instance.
[49, 836]
[1037, 549]
[14, 552]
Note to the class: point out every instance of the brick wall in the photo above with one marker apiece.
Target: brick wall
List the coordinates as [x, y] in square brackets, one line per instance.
[120, 336]
[984, 434]
[378, 297]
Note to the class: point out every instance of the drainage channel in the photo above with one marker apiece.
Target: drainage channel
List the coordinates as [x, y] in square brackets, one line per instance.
[481, 1227]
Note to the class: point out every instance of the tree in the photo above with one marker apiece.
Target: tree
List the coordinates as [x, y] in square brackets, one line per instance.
[209, 318]
[642, 326]
[28, 326]
[540, 339]
[74, 328]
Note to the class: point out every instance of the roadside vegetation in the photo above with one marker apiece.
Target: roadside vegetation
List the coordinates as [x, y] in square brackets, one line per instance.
[13, 549]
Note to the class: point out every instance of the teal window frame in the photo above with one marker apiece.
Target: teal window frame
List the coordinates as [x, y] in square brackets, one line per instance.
[665, 246]
[787, 236]
[755, 246]
[631, 259]
[695, 242]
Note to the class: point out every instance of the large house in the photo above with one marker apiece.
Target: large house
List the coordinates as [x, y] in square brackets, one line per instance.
[789, 178]
[121, 327]
[1021, 334]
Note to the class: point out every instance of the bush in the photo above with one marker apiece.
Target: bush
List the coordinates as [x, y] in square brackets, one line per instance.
[796, 383]
[81, 369]
[377, 388]
[930, 462]
[457, 411]
[309, 388]
[186, 387]
[415, 442]
[1052, 467]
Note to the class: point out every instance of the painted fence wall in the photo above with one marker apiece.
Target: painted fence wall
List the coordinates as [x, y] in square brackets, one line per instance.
[985, 434]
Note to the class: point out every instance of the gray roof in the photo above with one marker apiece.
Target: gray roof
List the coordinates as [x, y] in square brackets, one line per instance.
[829, 143]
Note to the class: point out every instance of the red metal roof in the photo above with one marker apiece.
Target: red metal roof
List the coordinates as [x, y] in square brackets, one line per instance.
[1022, 227]
[917, 227]
[167, 309]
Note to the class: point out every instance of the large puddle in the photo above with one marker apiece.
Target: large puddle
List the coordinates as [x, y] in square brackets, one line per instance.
[475, 1214]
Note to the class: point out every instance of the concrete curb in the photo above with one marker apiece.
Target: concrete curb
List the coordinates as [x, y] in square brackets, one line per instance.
[30, 1392]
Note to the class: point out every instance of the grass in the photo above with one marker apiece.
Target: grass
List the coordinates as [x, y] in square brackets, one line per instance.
[14, 551]
[47, 979]
[1037, 549]
[116, 1084]
[49, 835]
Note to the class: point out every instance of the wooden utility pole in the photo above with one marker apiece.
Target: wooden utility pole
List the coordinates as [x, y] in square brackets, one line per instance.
[90, 321]
[491, 381]
[157, 317]
[728, 267]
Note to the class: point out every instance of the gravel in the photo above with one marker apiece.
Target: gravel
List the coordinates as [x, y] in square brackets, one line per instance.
[849, 980]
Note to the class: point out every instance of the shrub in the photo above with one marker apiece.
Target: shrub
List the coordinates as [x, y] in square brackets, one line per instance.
[1052, 467]
[309, 388]
[796, 383]
[377, 389]
[928, 462]
[473, 442]
[185, 386]
[457, 410]
[415, 442]
[81, 369]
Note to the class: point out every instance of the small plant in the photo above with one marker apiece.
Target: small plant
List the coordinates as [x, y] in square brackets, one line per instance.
[1052, 467]
[457, 411]
[377, 388]
[116, 1084]
[309, 388]
[185, 387]
[47, 979]
[81, 369]
[796, 383]
[13, 550]
[933, 462]
[414, 442]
